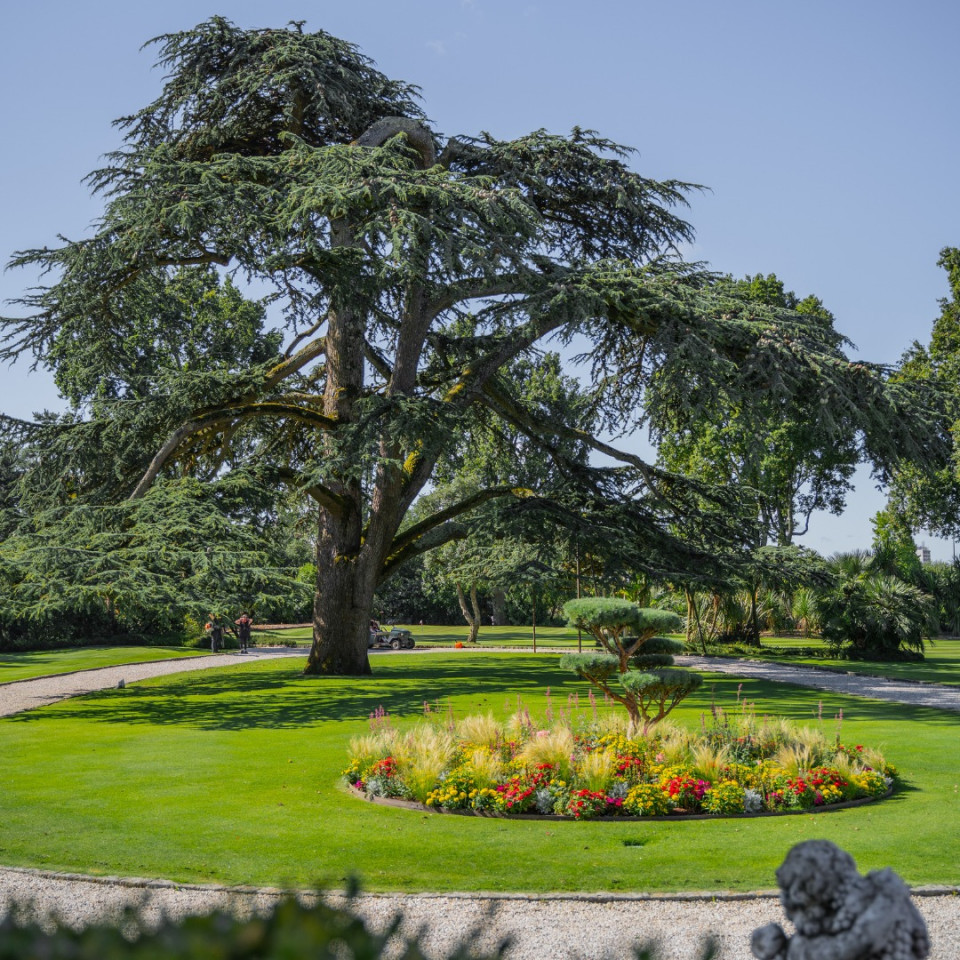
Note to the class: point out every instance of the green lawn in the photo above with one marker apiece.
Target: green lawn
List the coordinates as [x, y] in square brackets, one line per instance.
[46, 663]
[941, 663]
[231, 775]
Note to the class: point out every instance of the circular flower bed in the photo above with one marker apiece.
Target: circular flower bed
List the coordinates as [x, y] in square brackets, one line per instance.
[585, 770]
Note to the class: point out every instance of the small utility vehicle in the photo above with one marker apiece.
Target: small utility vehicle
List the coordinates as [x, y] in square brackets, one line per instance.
[396, 639]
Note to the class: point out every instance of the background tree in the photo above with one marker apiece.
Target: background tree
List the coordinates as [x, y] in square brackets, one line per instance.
[72, 553]
[407, 272]
[186, 549]
[871, 613]
[789, 456]
[930, 498]
[480, 563]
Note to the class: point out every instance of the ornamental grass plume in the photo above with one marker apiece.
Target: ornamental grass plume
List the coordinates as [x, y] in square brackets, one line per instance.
[795, 759]
[481, 729]
[709, 760]
[844, 764]
[873, 758]
[365, 751]
[674, 743]
[615, 722]
[596, 770]
[384, 742]
[773, 733]
[519, 726]
[814, 741]
[429, 752]
[486, 768]
[550, 746]
[745, 723]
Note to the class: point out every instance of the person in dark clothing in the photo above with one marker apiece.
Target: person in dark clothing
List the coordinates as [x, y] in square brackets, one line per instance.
[216, 634]
[243, 631]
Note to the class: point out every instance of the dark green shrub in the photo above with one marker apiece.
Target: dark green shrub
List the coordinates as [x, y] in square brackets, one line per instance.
[230, 642]
[873, 615]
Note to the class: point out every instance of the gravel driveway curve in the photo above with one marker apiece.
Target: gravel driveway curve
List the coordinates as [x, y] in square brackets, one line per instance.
[917, 694]
[561, 926]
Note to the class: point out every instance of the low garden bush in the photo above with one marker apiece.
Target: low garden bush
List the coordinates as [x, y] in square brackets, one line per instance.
[290, 929]
[586, 768]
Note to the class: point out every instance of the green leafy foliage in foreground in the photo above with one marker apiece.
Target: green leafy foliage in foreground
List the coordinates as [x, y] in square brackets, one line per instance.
[231, 775]
[290, 929]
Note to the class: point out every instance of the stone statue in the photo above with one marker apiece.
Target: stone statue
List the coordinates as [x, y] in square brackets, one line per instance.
[838, 914]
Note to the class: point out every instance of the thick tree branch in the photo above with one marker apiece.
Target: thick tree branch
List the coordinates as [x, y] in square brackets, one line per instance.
[377, 360]
[292, 364]
[476, 289]
[304, 335]
[321, 494]
[418, 135]
[511, 411]
[209, 256]
[223, 417]
[435, 538]
[475, 375]
[415, 532]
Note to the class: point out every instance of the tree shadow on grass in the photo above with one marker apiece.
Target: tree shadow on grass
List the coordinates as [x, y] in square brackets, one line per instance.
[241, 699]
[13, 660]
[276, 696]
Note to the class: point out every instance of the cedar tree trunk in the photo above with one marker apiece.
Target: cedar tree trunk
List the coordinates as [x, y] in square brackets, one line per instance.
[472, 613]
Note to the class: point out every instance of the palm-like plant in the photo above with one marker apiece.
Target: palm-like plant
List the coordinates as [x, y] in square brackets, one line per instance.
[803, 608]
[873, 613]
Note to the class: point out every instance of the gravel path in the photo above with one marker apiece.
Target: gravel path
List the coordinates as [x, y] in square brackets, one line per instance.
[560, 926]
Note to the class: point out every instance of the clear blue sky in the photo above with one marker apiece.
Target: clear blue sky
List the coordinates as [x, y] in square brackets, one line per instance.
[826, 131]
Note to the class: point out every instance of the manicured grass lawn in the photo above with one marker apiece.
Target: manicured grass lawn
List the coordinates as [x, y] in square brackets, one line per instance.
[231, 775]
[941, 663]
[45, 663]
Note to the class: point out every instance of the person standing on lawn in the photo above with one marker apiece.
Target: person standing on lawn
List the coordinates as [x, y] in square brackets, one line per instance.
[215, 630]
[243, 631]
